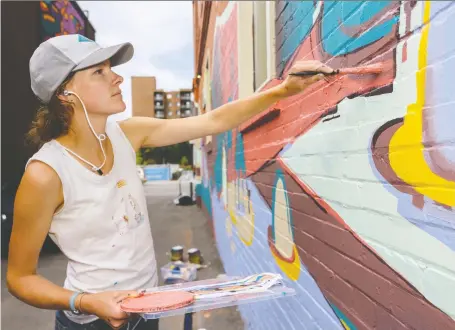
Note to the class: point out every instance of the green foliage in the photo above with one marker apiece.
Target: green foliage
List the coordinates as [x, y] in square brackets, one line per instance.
[173, 154]
[184, 161]
[139, 159]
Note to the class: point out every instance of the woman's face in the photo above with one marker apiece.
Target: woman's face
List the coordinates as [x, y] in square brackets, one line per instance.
[99, 89]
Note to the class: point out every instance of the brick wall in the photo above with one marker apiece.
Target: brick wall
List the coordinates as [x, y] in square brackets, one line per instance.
[347, 190]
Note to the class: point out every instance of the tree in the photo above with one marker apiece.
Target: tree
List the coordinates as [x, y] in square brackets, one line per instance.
[184, 161]
[139, 159]
[170, 154]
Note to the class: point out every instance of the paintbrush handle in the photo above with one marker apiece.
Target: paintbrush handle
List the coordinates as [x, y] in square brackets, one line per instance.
[312, 73]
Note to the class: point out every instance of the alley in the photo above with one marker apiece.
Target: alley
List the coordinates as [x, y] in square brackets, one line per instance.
[171, 225]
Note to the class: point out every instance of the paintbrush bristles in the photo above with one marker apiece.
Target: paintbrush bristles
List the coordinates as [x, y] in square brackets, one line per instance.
[367, 69]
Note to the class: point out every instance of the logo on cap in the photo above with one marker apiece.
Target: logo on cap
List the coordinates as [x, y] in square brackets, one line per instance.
[84, 39]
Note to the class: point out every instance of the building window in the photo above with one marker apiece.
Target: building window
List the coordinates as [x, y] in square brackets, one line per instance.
[169, 96]
[263, 42]
[169, 113]
[170, 104]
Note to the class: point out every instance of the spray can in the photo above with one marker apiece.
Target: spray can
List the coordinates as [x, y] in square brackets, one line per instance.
[194, 256]
[177, 253]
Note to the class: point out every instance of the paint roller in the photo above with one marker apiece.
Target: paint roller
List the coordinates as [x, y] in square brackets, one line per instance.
[367, 69]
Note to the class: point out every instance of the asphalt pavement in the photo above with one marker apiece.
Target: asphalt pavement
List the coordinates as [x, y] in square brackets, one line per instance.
[171, 225]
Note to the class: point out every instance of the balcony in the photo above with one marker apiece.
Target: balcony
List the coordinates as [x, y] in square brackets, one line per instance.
[186, 113]
[158, 96]
[185, 106]
[159, 114]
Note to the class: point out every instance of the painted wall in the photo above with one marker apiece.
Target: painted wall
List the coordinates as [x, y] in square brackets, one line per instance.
[59, 18]
[347, 190]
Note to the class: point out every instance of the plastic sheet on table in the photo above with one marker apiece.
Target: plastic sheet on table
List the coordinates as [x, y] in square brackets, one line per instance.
[225, 292]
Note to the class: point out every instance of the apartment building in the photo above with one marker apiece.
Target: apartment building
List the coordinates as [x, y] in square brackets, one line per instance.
[142, 90]
[149, 101]
[173, 104]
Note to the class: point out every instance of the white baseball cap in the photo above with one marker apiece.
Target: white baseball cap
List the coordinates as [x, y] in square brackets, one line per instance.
[57, 57]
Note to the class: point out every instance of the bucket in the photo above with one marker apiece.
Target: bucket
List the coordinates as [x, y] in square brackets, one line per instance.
[177, 253]
[194, 256]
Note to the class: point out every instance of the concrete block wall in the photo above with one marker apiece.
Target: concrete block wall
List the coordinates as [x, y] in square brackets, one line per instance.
[347, 190]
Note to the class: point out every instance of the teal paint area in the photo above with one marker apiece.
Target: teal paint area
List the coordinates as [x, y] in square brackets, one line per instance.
[342, 317]
[296, 23]
[217, 181]
[240, 164]
[345, 25]
[223, 140]
[203, 191]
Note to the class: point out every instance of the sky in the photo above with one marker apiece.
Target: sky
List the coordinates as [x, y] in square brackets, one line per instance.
[161, 33]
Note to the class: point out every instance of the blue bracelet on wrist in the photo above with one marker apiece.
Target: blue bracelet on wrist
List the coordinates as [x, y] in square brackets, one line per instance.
[73, 300]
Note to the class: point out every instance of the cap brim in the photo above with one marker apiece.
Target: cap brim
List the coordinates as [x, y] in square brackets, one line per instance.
[118, 54]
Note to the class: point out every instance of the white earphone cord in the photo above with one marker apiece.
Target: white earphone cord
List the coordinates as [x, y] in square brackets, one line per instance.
[100, 137]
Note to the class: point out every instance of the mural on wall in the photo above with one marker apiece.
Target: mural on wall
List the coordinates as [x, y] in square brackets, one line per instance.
[349, 189]
[59, 18]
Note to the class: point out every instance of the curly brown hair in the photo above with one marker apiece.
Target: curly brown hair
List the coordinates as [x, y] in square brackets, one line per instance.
[52, 120]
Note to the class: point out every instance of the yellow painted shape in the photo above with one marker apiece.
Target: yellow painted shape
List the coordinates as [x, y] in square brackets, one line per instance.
[291, 269]
[406, 148]
[244, 223]
[49, 18]
[345, 325]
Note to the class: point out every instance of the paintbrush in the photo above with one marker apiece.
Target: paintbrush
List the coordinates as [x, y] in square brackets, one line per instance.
[367, 69]
[141, 293]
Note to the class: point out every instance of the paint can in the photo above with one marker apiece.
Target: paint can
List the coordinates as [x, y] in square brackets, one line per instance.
[177, 253]
[194, 256]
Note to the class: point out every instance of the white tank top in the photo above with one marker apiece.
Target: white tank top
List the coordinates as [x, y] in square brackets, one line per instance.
[103, 227]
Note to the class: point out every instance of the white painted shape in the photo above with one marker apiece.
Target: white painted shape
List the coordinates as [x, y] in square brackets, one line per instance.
[416, 15]
[283, 234]
[317, 11]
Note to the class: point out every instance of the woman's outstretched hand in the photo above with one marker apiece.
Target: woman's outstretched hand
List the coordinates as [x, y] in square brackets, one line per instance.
[293, 85]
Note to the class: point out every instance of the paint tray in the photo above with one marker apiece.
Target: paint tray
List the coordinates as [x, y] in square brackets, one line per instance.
[225, 292]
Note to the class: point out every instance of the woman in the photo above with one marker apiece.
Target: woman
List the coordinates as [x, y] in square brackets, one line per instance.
[81, 186]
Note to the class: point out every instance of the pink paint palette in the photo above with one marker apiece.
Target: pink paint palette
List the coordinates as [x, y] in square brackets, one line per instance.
[157, 301]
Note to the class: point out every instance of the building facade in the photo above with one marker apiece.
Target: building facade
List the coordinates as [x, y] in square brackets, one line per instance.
[149, 101]
[143, 96]
[347, 190]
[25, 24]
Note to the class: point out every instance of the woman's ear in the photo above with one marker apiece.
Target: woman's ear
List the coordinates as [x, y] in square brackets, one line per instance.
[64, 95]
